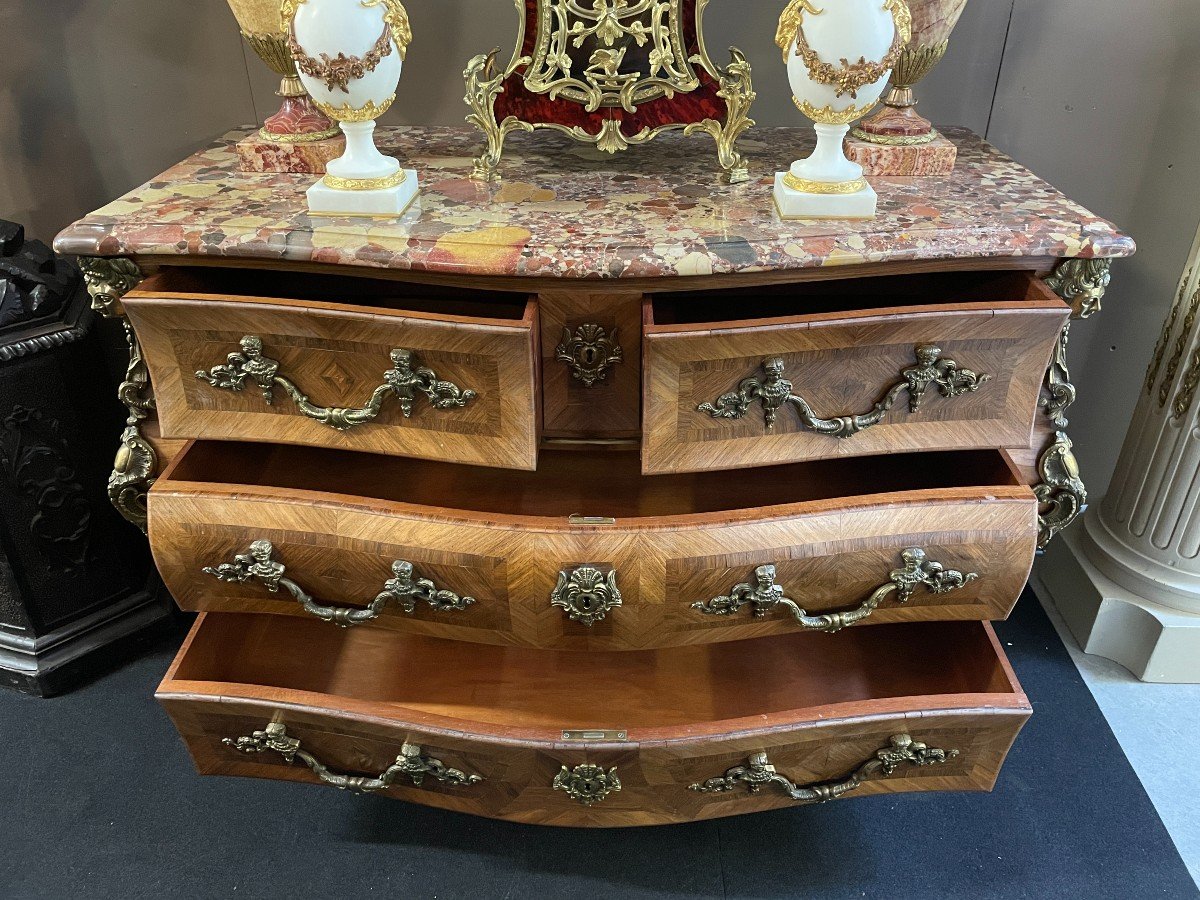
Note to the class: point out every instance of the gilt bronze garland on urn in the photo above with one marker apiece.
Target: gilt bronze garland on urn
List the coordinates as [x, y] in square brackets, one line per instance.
[613, 74]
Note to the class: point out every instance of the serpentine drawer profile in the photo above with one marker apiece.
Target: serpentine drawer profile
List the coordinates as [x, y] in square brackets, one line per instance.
[587, 553]
[604, 496]
[555, 738]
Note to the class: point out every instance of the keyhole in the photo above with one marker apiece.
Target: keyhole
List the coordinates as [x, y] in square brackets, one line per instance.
[589, 356]
[587, 602]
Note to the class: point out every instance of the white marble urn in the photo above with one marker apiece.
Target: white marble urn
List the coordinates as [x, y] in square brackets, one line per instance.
[839, 56]
[349, 55]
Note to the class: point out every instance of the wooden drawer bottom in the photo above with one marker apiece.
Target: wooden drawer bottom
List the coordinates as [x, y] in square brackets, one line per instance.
[599, 739]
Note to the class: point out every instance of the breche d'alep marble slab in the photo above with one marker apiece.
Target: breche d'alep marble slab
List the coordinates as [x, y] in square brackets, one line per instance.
[567, 211]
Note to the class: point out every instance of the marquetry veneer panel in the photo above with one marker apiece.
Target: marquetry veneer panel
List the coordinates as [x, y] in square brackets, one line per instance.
[818, 708]
[337, 353]
[834, 531]
[842, 363]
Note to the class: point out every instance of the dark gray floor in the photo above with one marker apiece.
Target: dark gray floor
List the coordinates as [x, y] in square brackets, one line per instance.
[100, 800]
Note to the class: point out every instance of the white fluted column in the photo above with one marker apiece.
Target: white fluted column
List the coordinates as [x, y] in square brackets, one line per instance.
[1128, 583]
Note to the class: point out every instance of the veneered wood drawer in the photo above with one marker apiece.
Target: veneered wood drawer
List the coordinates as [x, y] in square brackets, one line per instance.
[676, 547]
[825, 710]
[469, 383]
[848, 351]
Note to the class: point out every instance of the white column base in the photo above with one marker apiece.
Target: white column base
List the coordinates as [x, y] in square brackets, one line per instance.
[387, 202]
[802, 205]
[1156, 643]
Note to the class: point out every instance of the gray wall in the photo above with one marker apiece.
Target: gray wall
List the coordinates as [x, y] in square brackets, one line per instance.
[96, 96]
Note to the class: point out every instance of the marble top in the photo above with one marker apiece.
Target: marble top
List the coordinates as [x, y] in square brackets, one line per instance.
[569, 211]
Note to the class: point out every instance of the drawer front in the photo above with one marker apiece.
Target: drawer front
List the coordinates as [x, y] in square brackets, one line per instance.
[596, 587]
[299, 372]
[741, 394]
[582, 784]
[591, 364]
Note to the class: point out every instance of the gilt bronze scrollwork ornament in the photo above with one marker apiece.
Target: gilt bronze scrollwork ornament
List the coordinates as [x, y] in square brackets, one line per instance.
[412, 763]
[1061, 494]
[404, 381]
[588, 784]
[758, 772]
[258, 564]
[589, 351]
[136, 463]
[585, 594]
[774, 391]
[1060, 393]
[617, 67]
[763, 595]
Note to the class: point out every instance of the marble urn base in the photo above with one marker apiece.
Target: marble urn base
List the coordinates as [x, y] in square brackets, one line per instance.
[389, 202]
[793, 204]
[936, 158]
[257, 154]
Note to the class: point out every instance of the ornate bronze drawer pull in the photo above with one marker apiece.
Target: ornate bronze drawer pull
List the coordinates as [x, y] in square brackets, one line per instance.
[256, 564]
[902, 751]
[587, 783]
[765, 595]
[404, 381]
[589, 352]
[585, 594]
[774, 391]
[411, 762]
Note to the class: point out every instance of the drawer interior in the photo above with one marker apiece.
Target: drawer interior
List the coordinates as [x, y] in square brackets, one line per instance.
[604, 483]
[850, 295]
[370, 292]
[793, 677]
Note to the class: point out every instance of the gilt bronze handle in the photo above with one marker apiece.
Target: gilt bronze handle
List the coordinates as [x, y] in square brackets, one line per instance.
[257, 564]
[405, 380]
[774, 391]
[411, 762]
[758, 771]
[765, 595]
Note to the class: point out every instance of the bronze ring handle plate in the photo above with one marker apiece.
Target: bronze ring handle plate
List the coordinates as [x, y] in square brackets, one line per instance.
[411, 763]
[404, 381]
[758, 772]
[257, 564]
[764, 595]
[774, 391]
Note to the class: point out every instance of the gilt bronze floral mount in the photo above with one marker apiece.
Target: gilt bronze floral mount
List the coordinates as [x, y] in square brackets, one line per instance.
[612, 73]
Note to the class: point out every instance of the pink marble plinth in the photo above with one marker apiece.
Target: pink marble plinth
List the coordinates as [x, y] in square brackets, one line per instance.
[936, 158]
[257, 154]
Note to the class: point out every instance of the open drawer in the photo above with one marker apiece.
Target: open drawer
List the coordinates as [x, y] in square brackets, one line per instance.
[844, 368]
[598, 739]
[587, 553]
[351, 363]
